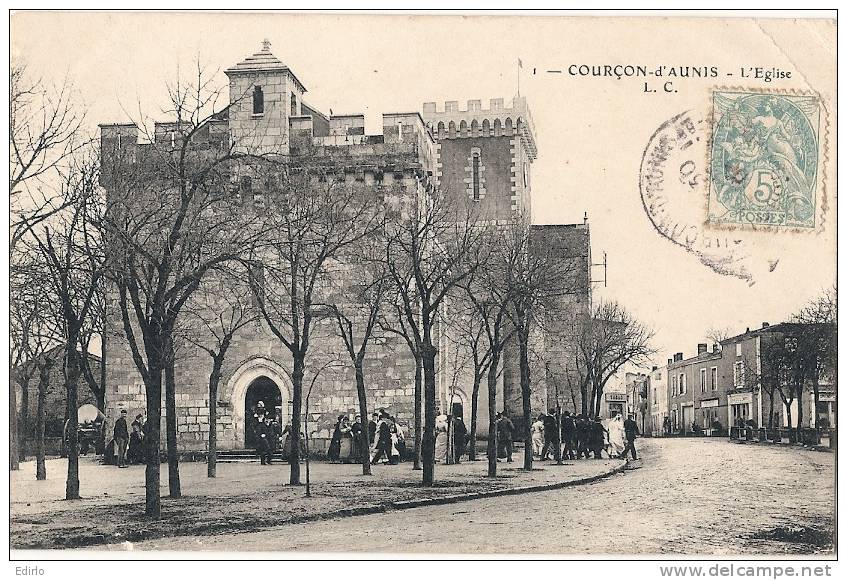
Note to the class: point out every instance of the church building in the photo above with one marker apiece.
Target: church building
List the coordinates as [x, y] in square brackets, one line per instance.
[481, 152]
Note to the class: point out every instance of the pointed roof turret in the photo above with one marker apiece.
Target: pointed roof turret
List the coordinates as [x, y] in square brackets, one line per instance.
[262, 62]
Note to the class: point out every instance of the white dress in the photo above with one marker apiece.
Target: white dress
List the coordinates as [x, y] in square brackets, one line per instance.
[616, 439]
[441, 438]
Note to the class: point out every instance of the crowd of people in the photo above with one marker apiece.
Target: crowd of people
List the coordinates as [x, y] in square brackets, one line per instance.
[569, 437]
[581, 436]
[387, 437]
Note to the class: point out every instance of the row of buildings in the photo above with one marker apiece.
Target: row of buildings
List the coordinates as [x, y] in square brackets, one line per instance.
[725, 385]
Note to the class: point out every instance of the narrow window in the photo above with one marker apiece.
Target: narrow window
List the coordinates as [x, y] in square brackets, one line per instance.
[475, 169]
[246, 189]
[293, 105]
[714, 378]
[258, 101]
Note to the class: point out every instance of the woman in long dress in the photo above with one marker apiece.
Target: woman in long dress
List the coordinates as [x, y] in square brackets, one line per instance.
[616, 436]
[441, 438]
[538, 436]
[334, 452]
[345, 448]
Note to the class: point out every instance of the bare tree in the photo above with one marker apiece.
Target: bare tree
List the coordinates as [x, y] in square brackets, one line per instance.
[44, 133]
[540, 277]
[72, 248]
[468, 334]
[314, 219]
[36, 328]
[817, 333]
[173, 217]
[215, 314]
[717, 335]
[357, 311]
[393, 320]
[609, 338]
[489, 291]
[430, 252]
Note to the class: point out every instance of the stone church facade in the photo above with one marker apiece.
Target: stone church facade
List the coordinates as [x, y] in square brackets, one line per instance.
[476, 153]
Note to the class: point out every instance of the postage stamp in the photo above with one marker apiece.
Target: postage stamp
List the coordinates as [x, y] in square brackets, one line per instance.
[764, 158]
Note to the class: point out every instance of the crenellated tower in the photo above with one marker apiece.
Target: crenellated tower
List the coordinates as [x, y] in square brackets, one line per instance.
[485, 155]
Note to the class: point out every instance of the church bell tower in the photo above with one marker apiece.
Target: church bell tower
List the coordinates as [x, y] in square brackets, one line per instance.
[263, 94]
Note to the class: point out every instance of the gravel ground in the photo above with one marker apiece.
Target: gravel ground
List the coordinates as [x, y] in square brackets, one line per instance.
[244, 497]
[684, 496]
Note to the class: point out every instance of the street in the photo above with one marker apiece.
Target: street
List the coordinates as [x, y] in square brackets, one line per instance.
[683, 496]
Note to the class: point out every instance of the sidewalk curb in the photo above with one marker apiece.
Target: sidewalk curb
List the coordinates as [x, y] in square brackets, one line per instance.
[448, 499]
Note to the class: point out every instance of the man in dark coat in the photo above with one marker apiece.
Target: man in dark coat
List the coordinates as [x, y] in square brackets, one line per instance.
[568, 435]
[264, 432]
[383, 442]
[551, 436]
[358, 433]
[121, 437]
[460, 437]
[630, 428]
[597, 438]
[583, 431]
[505, 431]
[372, 427]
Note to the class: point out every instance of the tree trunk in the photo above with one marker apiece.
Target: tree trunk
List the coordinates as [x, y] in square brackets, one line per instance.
[477, 381]
[583, 391]
[598, 400]
[174, 488]
[816, 394]
[214, 381]
[363, 412]
[72, 373]
[418, 410]
[523, 339]
[491, 448]
[14, 451]
[800, 411]
[40, 410]
[428, 442]
[152, 440]
[296, 405]
[770, 408]
[23, 424]
[101, 393]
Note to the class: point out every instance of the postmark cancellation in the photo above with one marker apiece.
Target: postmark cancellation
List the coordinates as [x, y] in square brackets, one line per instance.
[764, 160]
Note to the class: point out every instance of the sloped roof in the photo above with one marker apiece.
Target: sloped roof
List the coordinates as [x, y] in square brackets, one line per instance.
[262, 61]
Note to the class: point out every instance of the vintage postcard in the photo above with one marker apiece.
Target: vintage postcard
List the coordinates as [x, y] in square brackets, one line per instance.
[463, 285]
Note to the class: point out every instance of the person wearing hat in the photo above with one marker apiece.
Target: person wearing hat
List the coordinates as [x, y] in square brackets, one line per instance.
[121, 438]
[263, 430]
[504, 430]
[383, 442]
[597, 437]
[631, 429]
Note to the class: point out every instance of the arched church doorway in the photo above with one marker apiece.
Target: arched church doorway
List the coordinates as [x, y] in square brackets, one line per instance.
[265, 390]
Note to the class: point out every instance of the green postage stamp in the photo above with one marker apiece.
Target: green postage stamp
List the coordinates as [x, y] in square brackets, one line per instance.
[764, 160]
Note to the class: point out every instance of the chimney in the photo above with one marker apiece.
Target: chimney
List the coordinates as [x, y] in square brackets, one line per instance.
[747, 331]
[670, 361]
[677, 357]
[702, 348]
[765, 325]
[716, 347]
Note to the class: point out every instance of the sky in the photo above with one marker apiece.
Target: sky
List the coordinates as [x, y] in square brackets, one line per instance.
[591, 131]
